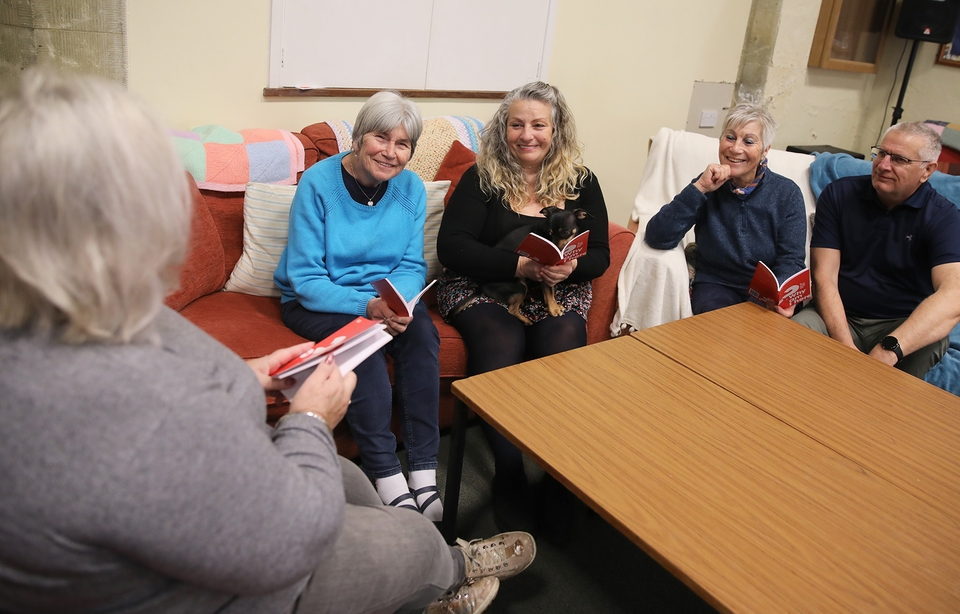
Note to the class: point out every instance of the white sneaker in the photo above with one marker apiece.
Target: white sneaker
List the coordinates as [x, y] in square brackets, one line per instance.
[502, 556]
[471, 597]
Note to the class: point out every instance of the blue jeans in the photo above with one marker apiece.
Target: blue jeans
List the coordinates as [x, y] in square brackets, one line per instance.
[416, 371]
[706, 296]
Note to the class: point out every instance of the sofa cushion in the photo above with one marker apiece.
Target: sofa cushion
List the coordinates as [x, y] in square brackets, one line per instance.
[436, 198]
[266, 211]
[457, 160]
[330, 138]
[248, 325]
[437, 136]
[203, 270]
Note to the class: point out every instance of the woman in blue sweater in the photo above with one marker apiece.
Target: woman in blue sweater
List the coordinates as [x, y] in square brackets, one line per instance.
[743, 213]
[357, 218]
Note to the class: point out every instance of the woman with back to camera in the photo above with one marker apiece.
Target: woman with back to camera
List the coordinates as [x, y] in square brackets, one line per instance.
[529, 159]
[138, 473]
[742, 212]
[357, 218]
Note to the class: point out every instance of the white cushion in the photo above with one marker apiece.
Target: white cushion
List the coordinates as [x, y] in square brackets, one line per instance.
[436, 191]
[266, 213]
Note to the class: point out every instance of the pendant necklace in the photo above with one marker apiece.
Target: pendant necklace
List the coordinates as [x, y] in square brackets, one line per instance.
[360, 187]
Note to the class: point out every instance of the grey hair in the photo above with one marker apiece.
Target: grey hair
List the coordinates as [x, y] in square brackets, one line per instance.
[932, 143]
[94, 209]
[383, 112]
[744, 113]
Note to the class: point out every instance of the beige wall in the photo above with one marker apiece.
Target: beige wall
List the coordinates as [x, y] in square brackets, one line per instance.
[627, 68]
[850, 110]
[812, 105]
[932, 92]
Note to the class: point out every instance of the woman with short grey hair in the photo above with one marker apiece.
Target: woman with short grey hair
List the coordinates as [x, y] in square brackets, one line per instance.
[357, 218]
[138, 472]
[743, 213]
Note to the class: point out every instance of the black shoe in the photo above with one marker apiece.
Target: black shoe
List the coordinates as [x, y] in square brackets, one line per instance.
[513, 504]
[556, 511]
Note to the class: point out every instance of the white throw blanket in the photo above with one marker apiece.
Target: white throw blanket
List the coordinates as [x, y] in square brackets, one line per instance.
[653, 287]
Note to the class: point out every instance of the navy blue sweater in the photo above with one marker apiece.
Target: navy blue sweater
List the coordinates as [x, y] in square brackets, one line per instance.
[733, 235]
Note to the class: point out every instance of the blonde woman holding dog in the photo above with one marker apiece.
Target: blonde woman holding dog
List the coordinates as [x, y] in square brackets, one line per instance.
[529, 159]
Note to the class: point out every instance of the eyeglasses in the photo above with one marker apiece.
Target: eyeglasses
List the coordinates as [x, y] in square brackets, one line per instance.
[896, 160]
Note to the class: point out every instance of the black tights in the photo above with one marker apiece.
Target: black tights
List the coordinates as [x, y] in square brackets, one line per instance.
[496, 339]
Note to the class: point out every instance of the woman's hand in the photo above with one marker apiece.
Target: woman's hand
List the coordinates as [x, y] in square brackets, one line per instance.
[549, 275]
[552, 275]
[325, 393]
[265, 364]
[531, 269]
[377, 310]
[788, 312]
[712, 178]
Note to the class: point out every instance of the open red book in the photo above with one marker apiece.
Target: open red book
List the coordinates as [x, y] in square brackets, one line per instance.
[544, 251]
[394, 300]
[350, 346]
[764, 287]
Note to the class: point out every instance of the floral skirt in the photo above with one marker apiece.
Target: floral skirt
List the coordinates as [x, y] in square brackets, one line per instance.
[452, 289]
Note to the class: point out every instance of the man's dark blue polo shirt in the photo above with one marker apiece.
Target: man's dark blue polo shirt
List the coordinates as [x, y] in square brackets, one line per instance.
[885, 256]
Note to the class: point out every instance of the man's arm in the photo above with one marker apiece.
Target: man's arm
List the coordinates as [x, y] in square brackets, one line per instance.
[826, 294]
[933, 319]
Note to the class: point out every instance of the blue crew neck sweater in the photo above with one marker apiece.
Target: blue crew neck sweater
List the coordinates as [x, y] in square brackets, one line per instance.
[337, 247]
[733, 235]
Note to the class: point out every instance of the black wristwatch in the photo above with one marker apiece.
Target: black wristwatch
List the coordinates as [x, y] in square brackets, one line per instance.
[892, 345]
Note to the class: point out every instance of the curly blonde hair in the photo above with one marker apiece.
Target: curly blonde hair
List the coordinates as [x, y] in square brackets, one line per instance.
[562, 170]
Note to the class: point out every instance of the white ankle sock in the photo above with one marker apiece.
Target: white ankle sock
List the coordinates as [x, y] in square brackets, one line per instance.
[391, 487]
[425, 478]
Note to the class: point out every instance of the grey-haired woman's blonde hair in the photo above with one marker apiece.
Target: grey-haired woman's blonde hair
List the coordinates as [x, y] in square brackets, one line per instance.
[383, 112]
[94, 209]
[562, 169]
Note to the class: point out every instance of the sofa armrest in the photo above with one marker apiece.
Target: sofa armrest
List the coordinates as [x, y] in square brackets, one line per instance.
[604, 304]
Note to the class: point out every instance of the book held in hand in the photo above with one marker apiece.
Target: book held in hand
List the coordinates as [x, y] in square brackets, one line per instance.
[764, 287]
[544, 251]
[350, 345]
[394, 300]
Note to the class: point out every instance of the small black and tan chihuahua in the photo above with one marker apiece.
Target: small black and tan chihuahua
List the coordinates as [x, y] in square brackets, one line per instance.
[558, 226]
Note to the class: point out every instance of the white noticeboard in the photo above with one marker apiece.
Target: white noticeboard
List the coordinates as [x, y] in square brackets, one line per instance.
[483, 45]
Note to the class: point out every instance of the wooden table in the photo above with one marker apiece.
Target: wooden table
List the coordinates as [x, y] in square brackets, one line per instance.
[769, 468]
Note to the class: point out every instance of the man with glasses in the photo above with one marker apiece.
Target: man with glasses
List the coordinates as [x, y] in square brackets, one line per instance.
[886, 256]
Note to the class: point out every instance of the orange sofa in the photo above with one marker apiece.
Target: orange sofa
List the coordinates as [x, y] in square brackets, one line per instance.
[251, 325]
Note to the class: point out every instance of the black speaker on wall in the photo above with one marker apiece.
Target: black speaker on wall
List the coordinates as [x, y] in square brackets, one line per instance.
[928, 20]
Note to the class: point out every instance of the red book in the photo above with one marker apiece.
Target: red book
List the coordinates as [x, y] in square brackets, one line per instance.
[764, 287]
[394, 300]
[544, 251]
[350, 346]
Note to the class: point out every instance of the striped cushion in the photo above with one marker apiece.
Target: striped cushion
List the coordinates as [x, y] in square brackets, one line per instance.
[266, 209]
[436, 191]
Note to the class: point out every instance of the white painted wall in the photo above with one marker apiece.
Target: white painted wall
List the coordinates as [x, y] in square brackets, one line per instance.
[627, 68]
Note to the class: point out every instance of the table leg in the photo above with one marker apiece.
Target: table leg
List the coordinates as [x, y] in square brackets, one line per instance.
[451, 493]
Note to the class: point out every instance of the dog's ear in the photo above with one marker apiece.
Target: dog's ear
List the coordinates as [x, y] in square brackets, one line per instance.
[546, 211]
[582, 214]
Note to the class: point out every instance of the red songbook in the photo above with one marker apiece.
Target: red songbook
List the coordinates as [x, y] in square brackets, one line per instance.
[544, 251]
[350, 346]
[394, 300]
[764, 287]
